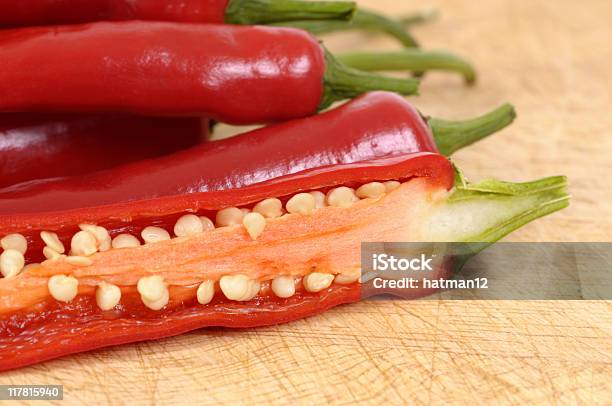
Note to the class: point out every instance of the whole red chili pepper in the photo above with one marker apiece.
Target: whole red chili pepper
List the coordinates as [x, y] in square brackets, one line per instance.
[54, 12]
[373, 125]
[232, 74]
[254, 269]
[38, 146]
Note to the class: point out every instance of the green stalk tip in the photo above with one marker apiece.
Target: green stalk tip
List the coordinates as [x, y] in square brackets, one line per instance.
[451, 136]
[362, 20]
[414, 60]
[248, 12]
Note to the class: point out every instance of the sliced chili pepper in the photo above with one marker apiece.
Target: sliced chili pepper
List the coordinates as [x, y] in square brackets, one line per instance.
[300, 265]
[228, 73]
[39, 146]
[54, 12]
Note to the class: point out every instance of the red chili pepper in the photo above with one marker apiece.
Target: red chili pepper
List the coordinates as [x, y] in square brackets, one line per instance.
[54, 12]
[228, 73]
[39, 146]
[376, 124]
[227, 276]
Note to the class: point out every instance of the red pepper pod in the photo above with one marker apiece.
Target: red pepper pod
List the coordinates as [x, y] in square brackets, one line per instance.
[55, 12]
[375, 125]
[39, 146]
[233, 74]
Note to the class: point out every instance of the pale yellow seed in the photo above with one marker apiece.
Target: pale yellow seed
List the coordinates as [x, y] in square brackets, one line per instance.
[391, 185]
[269, 208]
[107, 295]
[125, 241]
[347, 278]
[189, 224]
[254, 223]
[239, 287]
[371, 190]
[316, 281]
[151, 287]
[78, 260]
[283, 286]
[15, 242]
[153, 234]
[52, 241]
[302, 203]
[229, 217]
[63, 288]
[206, 292]
[341, 197]
[101, 234]
[11, 263]
[159, 303]
[83, 244]
[319, 198]
[207, 224]
[50, 253]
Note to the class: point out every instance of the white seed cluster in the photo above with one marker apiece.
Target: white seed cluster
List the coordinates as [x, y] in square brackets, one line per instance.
[153, 290]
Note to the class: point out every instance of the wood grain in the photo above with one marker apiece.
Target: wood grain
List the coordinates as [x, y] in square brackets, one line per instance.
[553, 60]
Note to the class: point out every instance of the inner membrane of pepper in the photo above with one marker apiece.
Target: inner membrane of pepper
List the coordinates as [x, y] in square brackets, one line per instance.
[274, 249]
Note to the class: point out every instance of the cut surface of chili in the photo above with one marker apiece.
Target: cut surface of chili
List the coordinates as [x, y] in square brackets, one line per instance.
[54, 12]
[295, 261]
[39, 146]
[233, 74]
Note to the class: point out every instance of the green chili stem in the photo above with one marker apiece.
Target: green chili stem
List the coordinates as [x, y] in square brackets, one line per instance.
[270, 11]
[342, 82]
[362, 20]
[506, 206]
[414, 60]
[451, 136]
[419, 17]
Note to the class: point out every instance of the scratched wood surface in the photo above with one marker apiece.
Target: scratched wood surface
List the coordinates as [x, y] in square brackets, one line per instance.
[553, 60]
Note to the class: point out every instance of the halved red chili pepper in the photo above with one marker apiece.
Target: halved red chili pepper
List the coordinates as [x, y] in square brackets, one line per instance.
[39, 146]
[255, 269]
[54, 12]
[232, 74]
[152, 291]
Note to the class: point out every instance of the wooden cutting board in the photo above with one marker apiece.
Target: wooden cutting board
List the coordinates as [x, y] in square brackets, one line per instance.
[553, 60]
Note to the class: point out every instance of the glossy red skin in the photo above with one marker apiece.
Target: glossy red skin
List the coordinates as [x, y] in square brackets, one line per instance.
[233, 74]
[375, 125]
[20, 13]
[80, 326]
[39, 146]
